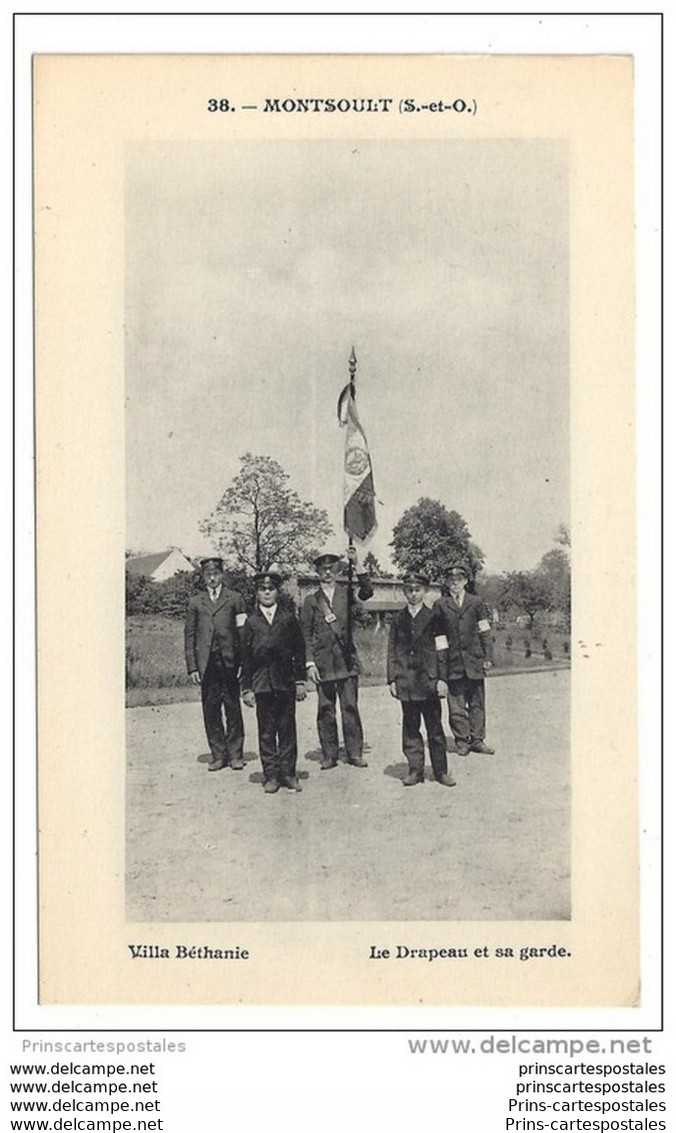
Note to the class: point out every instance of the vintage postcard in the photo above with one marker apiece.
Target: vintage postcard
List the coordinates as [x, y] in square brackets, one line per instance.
[335, 530]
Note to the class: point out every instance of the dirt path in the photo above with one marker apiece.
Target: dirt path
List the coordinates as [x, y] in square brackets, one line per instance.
[355, 844]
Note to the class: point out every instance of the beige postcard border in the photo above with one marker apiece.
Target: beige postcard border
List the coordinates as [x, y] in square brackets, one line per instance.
[87, 108]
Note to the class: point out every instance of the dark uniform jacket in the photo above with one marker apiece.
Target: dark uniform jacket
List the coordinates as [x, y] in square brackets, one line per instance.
[325, 631]
[273, 656]
[412, 655]
[206, 620]
[467, 629]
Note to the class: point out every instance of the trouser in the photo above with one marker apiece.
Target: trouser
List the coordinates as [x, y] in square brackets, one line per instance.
[220, 691]
[467, 709]
[347, 692]
[411, 736]
[277, 744]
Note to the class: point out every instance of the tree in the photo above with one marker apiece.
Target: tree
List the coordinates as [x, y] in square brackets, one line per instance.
[259, 520]
[494, 591]
[429, 538]
[562, 535]
[528, 591]
[554, 570]
[169, 597]
[137, 591]
[547, 588]
[373, 567]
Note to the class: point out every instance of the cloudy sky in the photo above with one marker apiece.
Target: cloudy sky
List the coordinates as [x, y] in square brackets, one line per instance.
[253, 268]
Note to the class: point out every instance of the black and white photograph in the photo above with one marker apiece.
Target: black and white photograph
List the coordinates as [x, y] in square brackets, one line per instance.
[427, 282]
[336, 424]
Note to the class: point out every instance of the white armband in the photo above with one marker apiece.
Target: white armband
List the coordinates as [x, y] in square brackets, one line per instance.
[441, 642]
[484, 626]
[240, 620]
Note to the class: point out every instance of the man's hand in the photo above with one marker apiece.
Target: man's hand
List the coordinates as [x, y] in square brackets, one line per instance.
[301, 691]
[488, 665]
[195, 678]
[393, 689]
[313, 674]
[442, 689]
[352, 555]
[249, 698]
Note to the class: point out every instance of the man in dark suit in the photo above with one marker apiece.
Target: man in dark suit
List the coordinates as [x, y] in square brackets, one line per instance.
[465, 640]
[332, 662]
[215, 619]
[273, 679]
[415, 670]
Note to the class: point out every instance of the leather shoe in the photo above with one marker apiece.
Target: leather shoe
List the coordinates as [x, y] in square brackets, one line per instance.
[237, 763]
[216, 764]
[357, 762]
[327, 764]
[446, 780]
[292, 783]
[413, 778]
[462, 747]
[482, 748]
[271, 786]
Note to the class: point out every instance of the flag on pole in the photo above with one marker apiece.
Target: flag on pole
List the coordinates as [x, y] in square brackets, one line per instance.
[359, 516]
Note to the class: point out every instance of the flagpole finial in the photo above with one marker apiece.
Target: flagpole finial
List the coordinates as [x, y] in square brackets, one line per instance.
[352, 364]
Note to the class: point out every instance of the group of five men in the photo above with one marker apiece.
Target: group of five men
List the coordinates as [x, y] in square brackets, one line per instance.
[269, 656]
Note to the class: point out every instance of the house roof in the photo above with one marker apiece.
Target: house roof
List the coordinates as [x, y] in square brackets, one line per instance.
[147, 564]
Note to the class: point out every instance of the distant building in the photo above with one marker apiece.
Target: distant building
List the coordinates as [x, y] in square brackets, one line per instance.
[159, 566]
[388, 594]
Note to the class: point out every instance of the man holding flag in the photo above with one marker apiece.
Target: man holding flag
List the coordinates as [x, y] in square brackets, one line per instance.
[327, 615]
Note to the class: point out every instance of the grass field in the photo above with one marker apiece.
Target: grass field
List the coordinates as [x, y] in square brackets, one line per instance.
[156, 674]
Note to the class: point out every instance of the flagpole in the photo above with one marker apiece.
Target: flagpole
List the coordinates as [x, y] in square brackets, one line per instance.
[352, 367]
